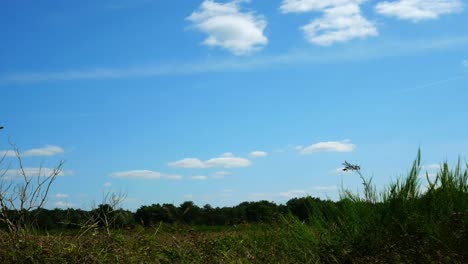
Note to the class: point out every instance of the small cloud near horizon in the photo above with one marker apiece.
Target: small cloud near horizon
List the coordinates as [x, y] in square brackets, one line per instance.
[62, 195]
[144, 174]
[48, 150]
[63, 204]
[329, 146]
[258, 154]
[226, 160]
[293, 193]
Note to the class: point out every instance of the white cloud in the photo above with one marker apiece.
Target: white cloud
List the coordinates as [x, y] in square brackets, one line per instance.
[199, 178]
[230, 28]
[341, 22]
[418, 10]
[48, 150]
[107, 184]
[258, 154]
[63, 204]
[144, 174]
[188, 163]
[293, 193]
[227, 160]
[62, 195]
[7, 153]
[329, 146]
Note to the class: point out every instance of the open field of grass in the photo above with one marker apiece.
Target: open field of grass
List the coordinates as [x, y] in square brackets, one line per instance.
[400, 224]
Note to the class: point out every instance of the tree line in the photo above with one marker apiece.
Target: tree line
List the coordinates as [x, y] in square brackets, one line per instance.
[187, 213]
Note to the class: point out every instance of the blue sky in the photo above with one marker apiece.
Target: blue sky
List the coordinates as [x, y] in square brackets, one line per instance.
[221, 102]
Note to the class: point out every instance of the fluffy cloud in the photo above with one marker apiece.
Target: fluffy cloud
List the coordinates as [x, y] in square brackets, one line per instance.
[329, 146]
[230, 28]
[341, 22]
[144, 174]
[258, 154]
[227, 160]
[418, 10]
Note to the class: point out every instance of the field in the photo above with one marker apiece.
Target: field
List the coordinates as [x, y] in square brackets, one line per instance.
[400, 224]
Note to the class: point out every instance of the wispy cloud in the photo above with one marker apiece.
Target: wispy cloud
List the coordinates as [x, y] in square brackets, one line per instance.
[258, 154]
[32, 172]
[107, 184]
[293, 193]
[418, 10]
[7, 153]
[465, 63]
[329, 146]
[342, 20]
[48, 150]
[144, 174]
[433, 84]
[325, 188]
[228, 27]
[63, 204]
[221, 174]
[213, 65]
[227, 160]
[62, 195]
[199, 178]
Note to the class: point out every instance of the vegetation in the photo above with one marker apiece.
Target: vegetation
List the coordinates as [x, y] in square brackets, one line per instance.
[401, 224]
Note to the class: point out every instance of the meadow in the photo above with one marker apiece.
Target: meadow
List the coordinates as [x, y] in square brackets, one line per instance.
[401, 224]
